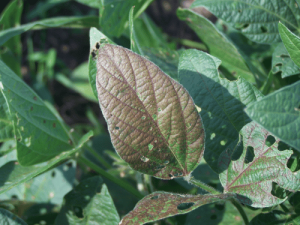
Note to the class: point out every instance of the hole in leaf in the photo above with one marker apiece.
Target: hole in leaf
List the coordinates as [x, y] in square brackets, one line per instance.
[154, 197]
[166, 162]
[249, 154]
[53, 174]
[185, 205]
[219, 207]
[282, 146]
[144, 159]
[93, 54]
[239, 10]
[97, 45]
[284, 56]
[213, 217]
[263, 29]
[161, 167]
[143, 117]
[278, 65]
[117, 128]
[171, 175]
[278, 191]
[294, 162]
[78, 211]
[150, 147]
[270, 140]
[14, 197]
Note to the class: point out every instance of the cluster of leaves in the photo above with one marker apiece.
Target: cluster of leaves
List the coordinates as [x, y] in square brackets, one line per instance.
[226, 118]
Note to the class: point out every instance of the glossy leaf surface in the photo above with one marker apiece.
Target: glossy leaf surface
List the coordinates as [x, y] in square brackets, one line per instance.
[251, 176]
[221, 101]
[217, 43]
[257, 20]
[159, 205]
[153, 122]
[279, 113]
[92, 200]
[291, 43]
[33, 121]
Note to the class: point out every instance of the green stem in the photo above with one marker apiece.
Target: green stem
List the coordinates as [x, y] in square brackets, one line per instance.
[203, 186]
[98, 157]
[105, 174]
[241, 210]
[211, 190]
[191, 44]
[284, 208]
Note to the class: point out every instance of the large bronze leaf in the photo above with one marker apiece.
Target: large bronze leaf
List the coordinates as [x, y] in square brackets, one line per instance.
[152, 120]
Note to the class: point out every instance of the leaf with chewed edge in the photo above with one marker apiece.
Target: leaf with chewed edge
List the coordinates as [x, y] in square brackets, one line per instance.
[159, 205]
[153, 122]
[252, 179]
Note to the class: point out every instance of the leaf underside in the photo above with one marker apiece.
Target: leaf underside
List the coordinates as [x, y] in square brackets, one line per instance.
[159, 205]
[252, 180]
[153, 122]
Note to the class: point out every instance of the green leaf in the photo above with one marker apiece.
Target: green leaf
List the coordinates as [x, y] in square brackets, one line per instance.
[134, 42]
[153, 122]
[90, 3]
[49, 187]
[34, 123]
[6, 126]
[114, 14]
[7, 218]
[78, 81]
[279, 113]
[291, 43]
[221, 102]
[260, 164]
[89, 203]
[257, 20]
[12, 49]
[281, 61]
[61, 22]
[159, 205]
[95, 37]
[271, 218]
[13, 174]
[217, 43]
[217, 213]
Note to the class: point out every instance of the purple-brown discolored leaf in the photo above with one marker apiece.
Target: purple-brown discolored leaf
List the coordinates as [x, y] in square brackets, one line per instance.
[159, 205]
[153, 122]
[260, 165]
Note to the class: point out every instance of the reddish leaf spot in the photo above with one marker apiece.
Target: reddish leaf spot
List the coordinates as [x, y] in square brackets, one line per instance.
[31, 108]
[35, 98]
[44, 121]
[54, 125]
[70, 142]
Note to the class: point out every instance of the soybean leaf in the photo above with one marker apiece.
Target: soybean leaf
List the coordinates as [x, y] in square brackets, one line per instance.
[260, 164]
[291, 43]
[13, 174]
[89, 203]
[218, 213]
[95, 37]
[34, 124]
[281, 61]
[114, 14]
[217, 43]
[257, 20]
[271, 218]
[61, 22]
[279, 113]
[159, 205]
[6, 126]
[221, 101]
[78, 81]
[49, 187]
[8, 152]
[8, 218]
[90, 3]
[153, 122]
[12, 49]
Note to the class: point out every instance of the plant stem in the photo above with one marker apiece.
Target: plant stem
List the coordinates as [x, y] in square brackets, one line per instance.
[105, 174]
[203, 186]
[211, 190]
[241, 210]
[98, 157]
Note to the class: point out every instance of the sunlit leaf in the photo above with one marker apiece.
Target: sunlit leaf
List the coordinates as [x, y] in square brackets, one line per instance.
[153, 122]
[159, 205]
[89, 203]
[260, 164]
[279, 113]
[221, 102]
[257, 20]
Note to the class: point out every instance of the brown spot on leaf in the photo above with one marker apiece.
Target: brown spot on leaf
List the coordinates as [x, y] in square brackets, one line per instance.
[54, 125]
